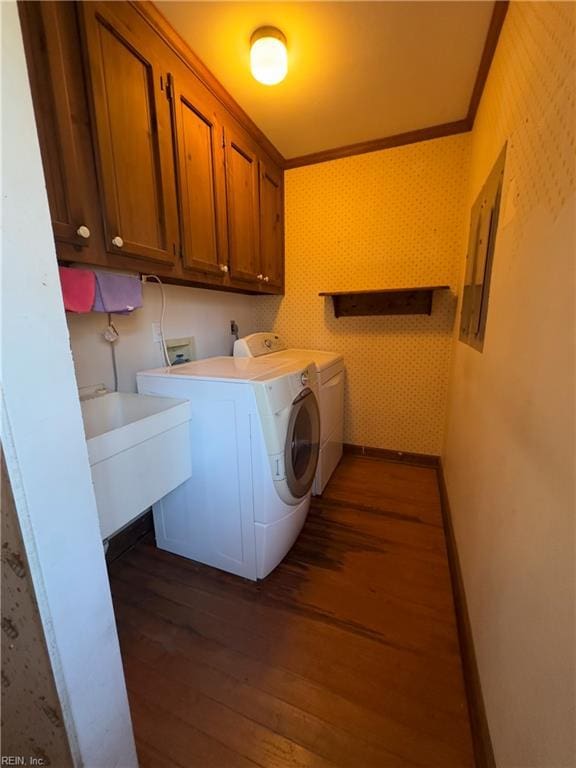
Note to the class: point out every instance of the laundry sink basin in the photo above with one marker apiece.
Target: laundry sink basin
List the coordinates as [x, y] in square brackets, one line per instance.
[139, 450]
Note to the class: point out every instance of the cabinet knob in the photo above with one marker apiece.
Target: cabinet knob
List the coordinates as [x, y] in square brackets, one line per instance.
[266, 279]
[83, 231]
[117, 241]
[259, 277]
[224, 267]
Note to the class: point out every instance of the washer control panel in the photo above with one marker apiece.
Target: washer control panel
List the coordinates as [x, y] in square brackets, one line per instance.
[257, 344]
[280, 393]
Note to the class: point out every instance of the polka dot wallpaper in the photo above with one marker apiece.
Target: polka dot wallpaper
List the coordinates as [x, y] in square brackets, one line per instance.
[394, 218]
[529, 101]
[510, 450]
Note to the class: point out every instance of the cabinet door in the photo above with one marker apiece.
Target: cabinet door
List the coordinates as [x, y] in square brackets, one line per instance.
[51, 38]
[242, 198]
[201, 182]
[131, 116]
[271, 226]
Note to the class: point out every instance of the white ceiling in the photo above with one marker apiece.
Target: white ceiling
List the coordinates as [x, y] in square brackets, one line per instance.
[357, 70]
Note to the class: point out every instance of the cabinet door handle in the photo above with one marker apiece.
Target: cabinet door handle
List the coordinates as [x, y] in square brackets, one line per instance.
[259, 277]
[266, 279]
[223, 267]
[117, 241]
[83, 231]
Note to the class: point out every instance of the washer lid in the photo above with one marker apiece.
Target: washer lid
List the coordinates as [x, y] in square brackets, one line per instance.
[239, 369]
[322, 360]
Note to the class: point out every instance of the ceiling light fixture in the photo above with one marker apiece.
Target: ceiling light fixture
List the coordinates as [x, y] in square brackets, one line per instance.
[268, 56]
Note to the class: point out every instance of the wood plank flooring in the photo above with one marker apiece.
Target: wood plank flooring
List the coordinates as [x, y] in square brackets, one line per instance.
[346, 655]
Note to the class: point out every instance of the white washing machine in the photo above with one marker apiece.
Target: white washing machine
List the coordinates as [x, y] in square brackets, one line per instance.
[330, 369]
[255, 439]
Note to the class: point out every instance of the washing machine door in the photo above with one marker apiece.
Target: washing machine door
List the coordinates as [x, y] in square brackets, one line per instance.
[302, 444]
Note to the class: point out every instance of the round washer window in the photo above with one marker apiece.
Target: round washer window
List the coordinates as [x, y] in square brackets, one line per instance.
[302, 444]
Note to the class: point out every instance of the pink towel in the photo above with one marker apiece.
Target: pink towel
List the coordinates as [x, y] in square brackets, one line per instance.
[78, 289]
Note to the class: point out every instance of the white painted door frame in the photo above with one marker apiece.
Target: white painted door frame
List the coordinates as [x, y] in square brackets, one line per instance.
[43, 440]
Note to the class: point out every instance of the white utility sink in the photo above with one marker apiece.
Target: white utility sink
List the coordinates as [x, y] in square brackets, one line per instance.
[139, 450]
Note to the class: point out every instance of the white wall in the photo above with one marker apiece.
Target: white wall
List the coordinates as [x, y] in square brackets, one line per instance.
[509, 454]
[43, 441]
[200, 313]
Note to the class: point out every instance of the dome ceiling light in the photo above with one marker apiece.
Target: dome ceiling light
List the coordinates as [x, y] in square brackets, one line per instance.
[268, 55]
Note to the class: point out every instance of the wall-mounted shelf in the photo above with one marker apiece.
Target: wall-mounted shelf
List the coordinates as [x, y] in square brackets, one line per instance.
[388, 301]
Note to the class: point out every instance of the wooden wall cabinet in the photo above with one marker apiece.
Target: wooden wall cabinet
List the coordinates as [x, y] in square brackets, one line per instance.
[54, 58]
[272, 226]
[255, 193]
[140, 153]
[201, 180]
[243, 205]
[132, 131]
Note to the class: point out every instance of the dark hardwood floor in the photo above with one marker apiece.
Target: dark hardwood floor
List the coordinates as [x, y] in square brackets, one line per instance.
[346, 655]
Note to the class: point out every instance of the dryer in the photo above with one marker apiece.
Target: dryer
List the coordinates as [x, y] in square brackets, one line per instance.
[330, 369]
[255, 440]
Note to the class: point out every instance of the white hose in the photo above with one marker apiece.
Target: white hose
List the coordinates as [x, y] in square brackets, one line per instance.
[145, 278]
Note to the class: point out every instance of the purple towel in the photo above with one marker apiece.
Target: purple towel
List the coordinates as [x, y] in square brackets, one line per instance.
[117, 293]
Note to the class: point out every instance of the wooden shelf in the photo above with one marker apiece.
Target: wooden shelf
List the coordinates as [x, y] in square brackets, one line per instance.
[387, 301]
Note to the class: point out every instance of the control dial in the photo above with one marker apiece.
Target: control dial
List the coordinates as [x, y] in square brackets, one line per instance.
[304, 378]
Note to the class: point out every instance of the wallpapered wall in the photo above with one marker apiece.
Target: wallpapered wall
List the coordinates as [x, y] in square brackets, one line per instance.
[381, 220]
[510, 450]
[32, 726]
